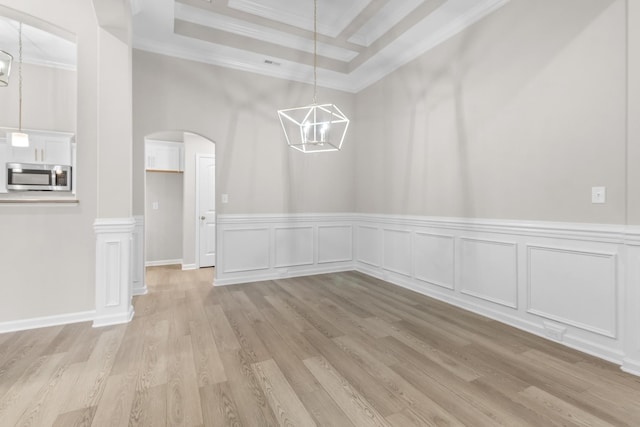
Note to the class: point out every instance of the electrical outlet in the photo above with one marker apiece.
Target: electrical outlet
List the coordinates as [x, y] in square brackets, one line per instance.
[225, 198]
[598, 194]
[154, 206]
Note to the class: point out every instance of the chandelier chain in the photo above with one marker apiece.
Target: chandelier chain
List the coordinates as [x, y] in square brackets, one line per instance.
[315, 50]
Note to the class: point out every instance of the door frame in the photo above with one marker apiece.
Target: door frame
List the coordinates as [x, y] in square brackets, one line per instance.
[197, 216]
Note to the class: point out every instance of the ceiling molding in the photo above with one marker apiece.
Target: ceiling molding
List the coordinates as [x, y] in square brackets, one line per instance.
[258, 32]
[377, 68]
[182, 29]
[329, 24]
[390, 15]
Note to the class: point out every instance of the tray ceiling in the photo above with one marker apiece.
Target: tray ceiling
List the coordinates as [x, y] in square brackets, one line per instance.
[359, 41]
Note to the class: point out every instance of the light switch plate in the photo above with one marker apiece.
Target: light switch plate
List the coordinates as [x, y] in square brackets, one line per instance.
[225, 198]
[598, 194]
[154, 206]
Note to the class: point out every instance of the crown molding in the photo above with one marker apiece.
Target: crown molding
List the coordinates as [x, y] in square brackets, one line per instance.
[304, 21]
[228, 24]
[396, 54]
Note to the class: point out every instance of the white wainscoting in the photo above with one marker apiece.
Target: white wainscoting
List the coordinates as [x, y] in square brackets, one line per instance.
[577, 284]
[489, 271]
[565, 282]
[113, 270]
[574, 288]
[434, 259]
[263, 247]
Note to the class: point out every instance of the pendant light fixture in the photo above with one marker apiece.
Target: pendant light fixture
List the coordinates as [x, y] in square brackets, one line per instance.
[316, 127]
[5, 67]
[19, 139]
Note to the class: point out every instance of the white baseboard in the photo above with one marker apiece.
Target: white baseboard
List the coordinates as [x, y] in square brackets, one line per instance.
[189, 266]
[585, 346]
[237, 280]
[631, 366]
[140, 291]
[114, 319]
[163, 262]
[47, 321]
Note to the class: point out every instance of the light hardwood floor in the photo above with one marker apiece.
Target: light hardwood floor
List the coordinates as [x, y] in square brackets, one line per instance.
[330, 350]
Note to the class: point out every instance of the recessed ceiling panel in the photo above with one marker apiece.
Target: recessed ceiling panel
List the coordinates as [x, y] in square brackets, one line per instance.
[254, 31]
[361, 41]
[391, 14]
[333, 15]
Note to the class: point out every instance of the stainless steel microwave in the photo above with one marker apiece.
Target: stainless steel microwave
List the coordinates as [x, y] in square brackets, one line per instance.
[38, 177]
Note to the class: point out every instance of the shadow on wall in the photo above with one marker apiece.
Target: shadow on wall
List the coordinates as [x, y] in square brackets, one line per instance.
[441, 102]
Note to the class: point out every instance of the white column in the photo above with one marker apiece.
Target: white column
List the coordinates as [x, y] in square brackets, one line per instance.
[113, 270]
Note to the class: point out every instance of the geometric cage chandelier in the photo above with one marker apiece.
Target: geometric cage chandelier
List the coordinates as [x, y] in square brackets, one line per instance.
[317, 127]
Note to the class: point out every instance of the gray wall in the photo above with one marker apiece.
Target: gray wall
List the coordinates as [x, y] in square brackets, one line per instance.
[502, 121]
[163, 226]
[49, 97]
[517, 118]
[36, 281]
[237, 110]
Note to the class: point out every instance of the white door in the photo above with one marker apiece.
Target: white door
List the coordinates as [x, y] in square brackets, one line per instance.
[206, 170]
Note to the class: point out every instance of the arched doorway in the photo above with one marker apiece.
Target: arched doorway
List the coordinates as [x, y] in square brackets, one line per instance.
[179, 195]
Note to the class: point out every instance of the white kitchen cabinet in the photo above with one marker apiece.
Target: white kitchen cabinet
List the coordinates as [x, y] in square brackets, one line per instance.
[164, 156]
[49, 148]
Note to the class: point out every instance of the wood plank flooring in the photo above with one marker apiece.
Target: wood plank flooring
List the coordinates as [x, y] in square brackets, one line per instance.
[329, 350]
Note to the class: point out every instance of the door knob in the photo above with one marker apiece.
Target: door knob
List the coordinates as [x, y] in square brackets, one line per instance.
[203, 218]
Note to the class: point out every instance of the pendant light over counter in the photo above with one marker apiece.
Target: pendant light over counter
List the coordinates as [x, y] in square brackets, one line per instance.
[5, 67]
[19, 139]
[316, 127]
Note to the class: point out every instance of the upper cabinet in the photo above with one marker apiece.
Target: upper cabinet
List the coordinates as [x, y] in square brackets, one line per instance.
[164, 156]
[48, 148]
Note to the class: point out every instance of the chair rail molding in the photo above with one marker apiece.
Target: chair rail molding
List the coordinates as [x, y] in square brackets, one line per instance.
[114, 290]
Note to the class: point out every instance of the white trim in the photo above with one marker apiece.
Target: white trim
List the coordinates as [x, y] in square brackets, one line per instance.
[631, 366]
[282, 273]
[163, 262]
[113, 287]
[606, 240]
[46, 321]
[113, 319]
[189, 267]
